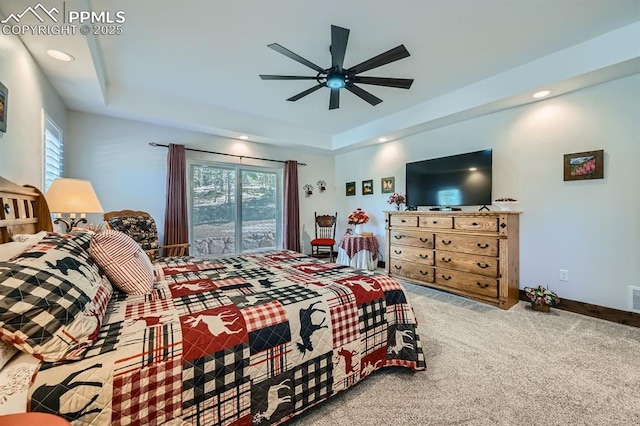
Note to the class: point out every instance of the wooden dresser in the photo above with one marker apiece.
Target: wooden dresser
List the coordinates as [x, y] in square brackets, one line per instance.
[473, 254]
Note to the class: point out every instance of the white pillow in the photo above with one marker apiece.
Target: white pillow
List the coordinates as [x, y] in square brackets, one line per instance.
[7, 351]
[127, 266]
[20, 243]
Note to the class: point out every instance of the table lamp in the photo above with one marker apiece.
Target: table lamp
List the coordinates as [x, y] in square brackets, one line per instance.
[73, 197]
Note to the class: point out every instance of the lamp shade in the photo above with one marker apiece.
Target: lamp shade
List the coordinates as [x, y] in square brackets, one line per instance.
[72, 196]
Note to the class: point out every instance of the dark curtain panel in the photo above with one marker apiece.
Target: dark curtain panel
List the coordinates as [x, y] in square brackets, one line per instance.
[291, 207]
[176, 224]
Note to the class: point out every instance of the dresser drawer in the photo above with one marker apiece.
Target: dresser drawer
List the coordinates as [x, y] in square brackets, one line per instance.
[411, 270]
[482, 265]
[471, 283]
[404, 220]
[418, 239]
[412, 254]
[476, 224]
[440, 222]
[486, 246]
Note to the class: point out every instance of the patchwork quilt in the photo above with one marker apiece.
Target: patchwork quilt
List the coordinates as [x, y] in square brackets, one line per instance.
[250, 339]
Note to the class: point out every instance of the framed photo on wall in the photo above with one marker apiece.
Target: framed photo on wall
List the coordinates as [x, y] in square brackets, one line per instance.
[367, 187]
[350, 189]
[388, 185]
[584, 165]
[4, 100]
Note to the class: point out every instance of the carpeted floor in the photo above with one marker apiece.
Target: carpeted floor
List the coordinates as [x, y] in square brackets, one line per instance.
[487, 366]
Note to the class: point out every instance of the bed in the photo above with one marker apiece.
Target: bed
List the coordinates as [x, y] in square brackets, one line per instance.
[247, 339]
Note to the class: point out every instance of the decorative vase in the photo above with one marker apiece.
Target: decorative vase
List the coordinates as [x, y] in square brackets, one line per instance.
[540, 308]
[357, 229]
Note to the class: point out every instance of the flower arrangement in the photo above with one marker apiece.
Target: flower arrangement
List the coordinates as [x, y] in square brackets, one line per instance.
[397, 199]
[542, 296]
[358, 217]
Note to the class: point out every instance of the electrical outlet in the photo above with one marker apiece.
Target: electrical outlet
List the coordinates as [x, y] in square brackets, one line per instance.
[564, 275]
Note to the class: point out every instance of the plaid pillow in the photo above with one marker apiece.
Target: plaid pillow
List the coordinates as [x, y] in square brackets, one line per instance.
[52, 300]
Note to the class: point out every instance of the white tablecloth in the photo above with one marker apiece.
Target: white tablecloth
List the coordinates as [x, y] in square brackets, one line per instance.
[361, 260]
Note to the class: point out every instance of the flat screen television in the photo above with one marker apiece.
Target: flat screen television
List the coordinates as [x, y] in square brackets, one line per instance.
[458, 180]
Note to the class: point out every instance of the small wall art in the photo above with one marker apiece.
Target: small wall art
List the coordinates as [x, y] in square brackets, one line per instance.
[388, 185]
[350, 189]
[4, 101]
[584, 165]
[367, 187]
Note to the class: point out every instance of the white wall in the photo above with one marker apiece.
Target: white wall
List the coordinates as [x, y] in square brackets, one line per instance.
[29, 93]
[591, 228]
[127, 173]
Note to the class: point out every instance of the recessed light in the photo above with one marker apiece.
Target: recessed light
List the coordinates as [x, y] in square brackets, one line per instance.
[382, 139]
[541, 94]
[473, 169]
[244, 137]
[60, 55]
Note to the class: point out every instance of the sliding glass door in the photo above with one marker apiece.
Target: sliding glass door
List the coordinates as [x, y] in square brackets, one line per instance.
[234, 208]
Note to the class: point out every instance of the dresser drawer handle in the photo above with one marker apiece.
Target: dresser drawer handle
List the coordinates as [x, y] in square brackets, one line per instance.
[486, 265]
[474, 224]
[446, 243]
[402, 220]
[423, 272]
[485, 285]
[483, 246]
[446, 260]
[397, 237]
[397, 267]
[424, 256]
[400, 251]
[446, 277]
[435, 222]
[424, 240]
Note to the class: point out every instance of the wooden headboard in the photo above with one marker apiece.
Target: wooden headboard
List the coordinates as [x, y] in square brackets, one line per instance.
[23, 210]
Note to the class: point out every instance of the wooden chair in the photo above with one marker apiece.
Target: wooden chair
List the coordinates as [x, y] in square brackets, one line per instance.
[322, 245]
[142, 228]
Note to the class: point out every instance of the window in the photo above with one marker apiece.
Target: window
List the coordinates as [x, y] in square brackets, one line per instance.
[53, 156]
[234, 208]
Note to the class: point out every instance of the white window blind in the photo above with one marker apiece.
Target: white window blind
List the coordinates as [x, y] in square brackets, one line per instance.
[53, 155]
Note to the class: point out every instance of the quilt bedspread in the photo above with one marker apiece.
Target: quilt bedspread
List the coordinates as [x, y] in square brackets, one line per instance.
[250, 339]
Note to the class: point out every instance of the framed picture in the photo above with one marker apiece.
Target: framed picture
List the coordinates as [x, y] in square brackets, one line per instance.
[584, 165]
[351, 189]
[367, 187]
[388, 185]
[4, 100]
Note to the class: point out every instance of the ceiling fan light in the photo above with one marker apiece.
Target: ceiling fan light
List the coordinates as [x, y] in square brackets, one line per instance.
[335, 81]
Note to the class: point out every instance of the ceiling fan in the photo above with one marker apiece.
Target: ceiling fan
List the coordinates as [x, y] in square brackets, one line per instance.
[337, 77]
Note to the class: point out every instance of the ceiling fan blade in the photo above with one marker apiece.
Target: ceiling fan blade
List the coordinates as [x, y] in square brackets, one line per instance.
[286, 77]
[339, 38]
[334, 99]
[395, 54]
[286, 52]
[400, 83]
[305, 93]
[363, 94]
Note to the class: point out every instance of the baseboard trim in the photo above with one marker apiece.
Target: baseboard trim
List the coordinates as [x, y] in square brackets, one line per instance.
[595, 311]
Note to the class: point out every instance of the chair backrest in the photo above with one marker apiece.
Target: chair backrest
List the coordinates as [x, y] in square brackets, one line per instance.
[138, 225]
[326, 226]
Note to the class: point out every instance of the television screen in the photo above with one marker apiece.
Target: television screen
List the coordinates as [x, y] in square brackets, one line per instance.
[458, 180]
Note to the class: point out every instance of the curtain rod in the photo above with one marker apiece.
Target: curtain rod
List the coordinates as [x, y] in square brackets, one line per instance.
[222, 153]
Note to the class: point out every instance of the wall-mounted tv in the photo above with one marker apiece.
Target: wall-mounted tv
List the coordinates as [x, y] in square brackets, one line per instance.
[458, 180]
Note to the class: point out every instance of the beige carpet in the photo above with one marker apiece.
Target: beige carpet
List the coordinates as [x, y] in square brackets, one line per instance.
[487, 366]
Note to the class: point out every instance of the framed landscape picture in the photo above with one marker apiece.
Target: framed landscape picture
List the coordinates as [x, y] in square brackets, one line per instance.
[388, 185]
[4, 100]
[350, 189]
[584, 165]
[367, 187]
